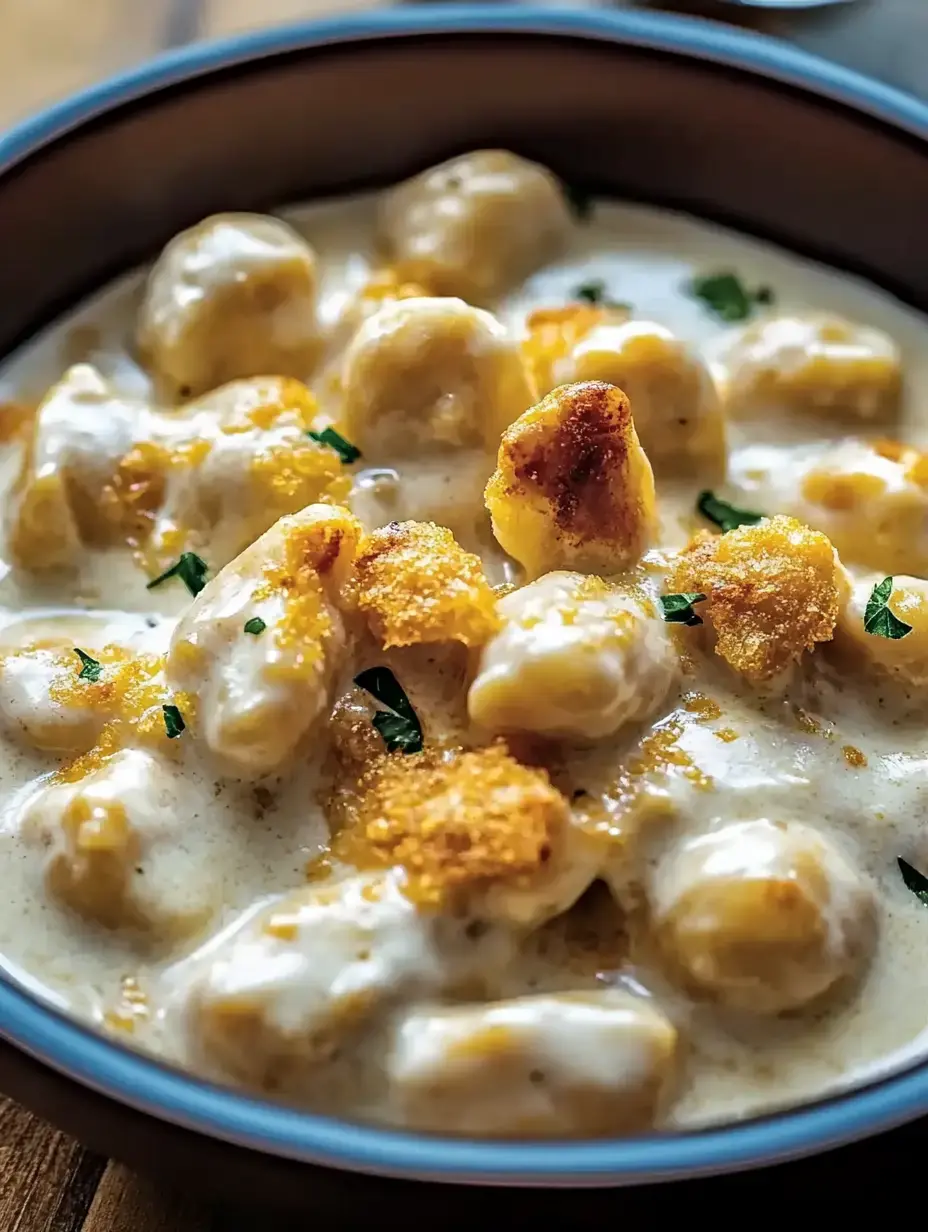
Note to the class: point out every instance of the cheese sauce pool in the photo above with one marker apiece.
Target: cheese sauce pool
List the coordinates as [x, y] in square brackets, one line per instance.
[846, 756]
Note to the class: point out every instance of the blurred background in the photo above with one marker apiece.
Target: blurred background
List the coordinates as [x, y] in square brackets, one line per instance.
[51, 47]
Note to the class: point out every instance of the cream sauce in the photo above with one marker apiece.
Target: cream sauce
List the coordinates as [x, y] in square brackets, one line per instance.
[762, 756]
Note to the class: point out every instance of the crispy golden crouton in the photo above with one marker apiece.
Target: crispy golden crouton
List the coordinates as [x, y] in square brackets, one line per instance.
[417, 584]
[455, 823]
[572, 487]
[773, 592]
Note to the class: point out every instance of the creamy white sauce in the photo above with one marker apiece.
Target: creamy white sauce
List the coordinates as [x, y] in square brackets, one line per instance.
[257, 843]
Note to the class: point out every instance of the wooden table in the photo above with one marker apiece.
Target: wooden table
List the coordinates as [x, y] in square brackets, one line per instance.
[48, 48]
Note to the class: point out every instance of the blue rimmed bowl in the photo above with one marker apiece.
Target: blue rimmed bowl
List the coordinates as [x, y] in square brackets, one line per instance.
[684, 113]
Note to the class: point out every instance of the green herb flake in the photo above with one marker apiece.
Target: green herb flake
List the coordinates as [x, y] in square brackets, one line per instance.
[173, 721]
[594, 292]
[256, 625]
[914, 880]
[678, 609]
[398, 724]
[878, 619]
[725, 295]
[580, 201]
[90, 668]
[346, 451]
[189, 568]
[725, 516]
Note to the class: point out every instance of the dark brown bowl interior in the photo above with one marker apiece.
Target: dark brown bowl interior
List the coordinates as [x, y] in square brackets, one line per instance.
[815, 176]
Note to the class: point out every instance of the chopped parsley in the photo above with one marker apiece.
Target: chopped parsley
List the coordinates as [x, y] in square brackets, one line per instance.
[726, 516]
[346, 451]
[725, 295]
[914, 880]
[594, 292]
[398, 724]
[256, 625]
[189, 568]
[173, 721]
[580, 201]
[678, 609]
[90, 667]
[878, 619]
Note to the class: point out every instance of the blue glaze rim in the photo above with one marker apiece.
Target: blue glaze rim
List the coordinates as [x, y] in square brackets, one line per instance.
[176, 1098]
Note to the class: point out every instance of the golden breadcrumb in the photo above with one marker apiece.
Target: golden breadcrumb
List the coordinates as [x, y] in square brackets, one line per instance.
[130, 500]
[456, 823]
[135, 692]
[389, 284]
[262, 402]
[573, 488]
[417, 584]
[314, 571]
[773, 592]
[554, 332]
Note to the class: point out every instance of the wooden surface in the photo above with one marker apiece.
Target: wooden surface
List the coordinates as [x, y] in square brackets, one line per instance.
[51, 47]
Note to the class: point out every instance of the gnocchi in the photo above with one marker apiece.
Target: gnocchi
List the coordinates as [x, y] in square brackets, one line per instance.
[763, 916]
[463, 670]
[262, 689]
[234, 296]
[474, 225]
[576, 658]
[573, 489]
[431, 374]
[590, 1064]
[675, 405]
[813, 365]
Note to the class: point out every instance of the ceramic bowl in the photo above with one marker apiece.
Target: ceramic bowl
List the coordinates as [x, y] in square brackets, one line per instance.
[679, 112]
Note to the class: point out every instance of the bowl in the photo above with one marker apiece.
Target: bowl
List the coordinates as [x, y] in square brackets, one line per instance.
[678, 112]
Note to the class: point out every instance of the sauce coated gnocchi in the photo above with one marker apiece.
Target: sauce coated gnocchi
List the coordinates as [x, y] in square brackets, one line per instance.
[461, 662]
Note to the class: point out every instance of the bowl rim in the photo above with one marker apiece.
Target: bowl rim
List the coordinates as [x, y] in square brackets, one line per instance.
[172, 1096]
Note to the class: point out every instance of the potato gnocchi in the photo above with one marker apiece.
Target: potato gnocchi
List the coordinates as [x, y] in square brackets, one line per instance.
[462, 665]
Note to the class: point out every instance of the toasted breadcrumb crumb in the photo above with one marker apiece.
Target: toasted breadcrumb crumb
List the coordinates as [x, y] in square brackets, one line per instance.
[417, 584]
[454, 823]
[136, 691]
[773, 592]
[554, 332]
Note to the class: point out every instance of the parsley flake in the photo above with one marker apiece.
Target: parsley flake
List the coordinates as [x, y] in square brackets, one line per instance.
[725, 516]
[678, 609]
[173, 721]
[189, 568]
[878, 619]
[725, 295]
[90, 667]
[580, 201]
[914, 880]
[594, 292]
[346, 451]
[398, 724]
[256, 625]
